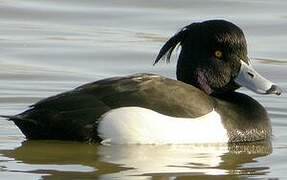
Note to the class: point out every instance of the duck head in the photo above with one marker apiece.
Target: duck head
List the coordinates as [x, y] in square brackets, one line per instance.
[213, 58]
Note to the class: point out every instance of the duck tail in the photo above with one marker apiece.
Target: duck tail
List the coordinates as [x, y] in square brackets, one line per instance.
[16, 118]
[9, 118]
[167, 49]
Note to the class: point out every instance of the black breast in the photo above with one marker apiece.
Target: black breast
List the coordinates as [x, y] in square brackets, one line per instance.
[243, 117]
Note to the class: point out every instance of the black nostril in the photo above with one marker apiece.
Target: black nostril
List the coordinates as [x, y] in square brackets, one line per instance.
[274, 90]
[250, 74]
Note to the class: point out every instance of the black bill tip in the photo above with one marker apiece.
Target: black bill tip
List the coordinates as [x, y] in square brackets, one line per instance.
[274, 90]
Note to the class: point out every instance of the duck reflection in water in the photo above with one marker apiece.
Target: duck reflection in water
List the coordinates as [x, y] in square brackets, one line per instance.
[50, 158]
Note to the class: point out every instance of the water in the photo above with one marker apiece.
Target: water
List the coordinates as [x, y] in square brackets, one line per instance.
[49, 47]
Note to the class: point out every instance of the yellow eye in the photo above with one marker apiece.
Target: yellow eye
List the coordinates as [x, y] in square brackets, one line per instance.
[218, 54]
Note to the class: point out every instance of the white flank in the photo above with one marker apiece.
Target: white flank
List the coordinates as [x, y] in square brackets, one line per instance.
[136, 125]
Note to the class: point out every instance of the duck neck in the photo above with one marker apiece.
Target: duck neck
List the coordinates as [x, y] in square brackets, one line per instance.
[186, 73]
[189, 72]
[191, 58]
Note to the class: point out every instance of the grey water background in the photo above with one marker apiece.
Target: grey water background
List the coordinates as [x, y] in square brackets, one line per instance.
[47, 47]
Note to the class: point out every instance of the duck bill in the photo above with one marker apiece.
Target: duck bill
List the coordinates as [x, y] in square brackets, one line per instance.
[252, 80]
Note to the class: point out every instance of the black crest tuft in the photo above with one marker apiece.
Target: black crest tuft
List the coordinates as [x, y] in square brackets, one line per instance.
[167, 49]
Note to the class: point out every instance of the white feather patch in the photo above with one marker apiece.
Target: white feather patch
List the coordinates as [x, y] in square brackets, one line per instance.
[136, 125]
